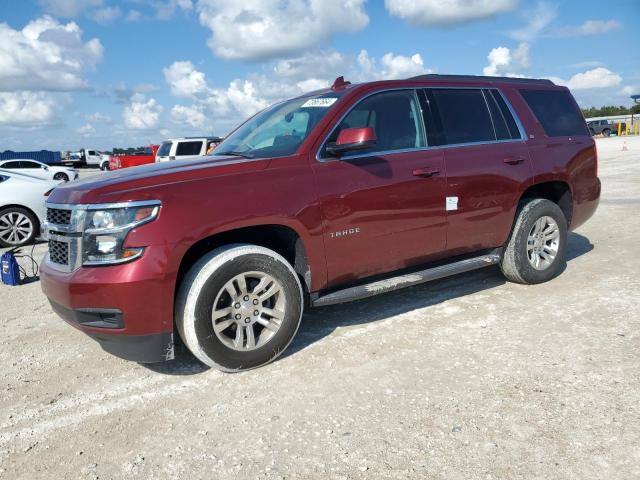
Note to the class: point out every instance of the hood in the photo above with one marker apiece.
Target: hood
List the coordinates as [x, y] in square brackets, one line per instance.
[142, 182]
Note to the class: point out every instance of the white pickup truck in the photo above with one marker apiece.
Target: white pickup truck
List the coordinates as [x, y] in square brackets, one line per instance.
[94, 158]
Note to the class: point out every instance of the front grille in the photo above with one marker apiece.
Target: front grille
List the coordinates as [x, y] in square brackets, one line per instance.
[59, 252]
[58, 216]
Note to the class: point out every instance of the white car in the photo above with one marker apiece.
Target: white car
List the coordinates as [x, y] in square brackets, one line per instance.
[37, 169]
[177, 148]
[22, 207]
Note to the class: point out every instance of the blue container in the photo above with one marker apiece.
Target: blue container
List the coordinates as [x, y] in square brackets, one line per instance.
[44, 156]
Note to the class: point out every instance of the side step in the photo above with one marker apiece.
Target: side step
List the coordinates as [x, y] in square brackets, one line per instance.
[402, 281]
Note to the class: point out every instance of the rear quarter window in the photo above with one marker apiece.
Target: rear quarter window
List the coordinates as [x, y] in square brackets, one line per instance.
[188, 148]
[556, 111]
[464, 115]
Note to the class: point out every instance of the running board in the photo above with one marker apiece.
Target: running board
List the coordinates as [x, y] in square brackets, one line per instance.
[408, 280]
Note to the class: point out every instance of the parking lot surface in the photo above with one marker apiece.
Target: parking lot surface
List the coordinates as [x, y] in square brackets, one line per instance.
[466, 378]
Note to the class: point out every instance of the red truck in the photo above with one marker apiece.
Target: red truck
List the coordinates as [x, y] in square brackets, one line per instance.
[143, 157]
[333, 196]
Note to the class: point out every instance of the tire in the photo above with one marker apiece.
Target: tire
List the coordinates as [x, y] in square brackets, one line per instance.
[61, 176]
[204, 291]
[523, 250]
[104, 166]
[24, 219]
[606, 132]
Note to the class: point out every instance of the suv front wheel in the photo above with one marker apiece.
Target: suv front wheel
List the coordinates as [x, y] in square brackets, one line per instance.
[535, 252]
[239, 307]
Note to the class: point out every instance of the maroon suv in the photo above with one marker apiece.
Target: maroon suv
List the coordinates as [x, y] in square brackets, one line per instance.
[333, 196]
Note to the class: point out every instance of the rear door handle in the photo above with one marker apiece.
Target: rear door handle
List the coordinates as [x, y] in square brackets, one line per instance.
[513, 160]
[425, 172]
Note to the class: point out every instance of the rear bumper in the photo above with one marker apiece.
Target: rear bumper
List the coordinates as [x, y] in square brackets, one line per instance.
[585, 202]
[127, 308]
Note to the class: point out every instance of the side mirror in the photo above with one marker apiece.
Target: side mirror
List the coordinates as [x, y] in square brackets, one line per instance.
[351, 140]
[44, 167]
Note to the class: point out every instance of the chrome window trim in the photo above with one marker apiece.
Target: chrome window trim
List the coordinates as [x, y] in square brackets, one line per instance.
[519, 125]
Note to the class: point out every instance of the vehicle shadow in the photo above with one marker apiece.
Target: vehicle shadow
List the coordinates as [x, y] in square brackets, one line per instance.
[321, 322]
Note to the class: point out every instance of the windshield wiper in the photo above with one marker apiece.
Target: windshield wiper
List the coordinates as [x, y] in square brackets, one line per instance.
[234, 154]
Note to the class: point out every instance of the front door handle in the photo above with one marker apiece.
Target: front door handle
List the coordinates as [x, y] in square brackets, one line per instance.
[425, 172]
[513, 160]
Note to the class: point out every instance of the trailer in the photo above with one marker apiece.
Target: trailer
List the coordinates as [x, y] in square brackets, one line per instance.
[45, 156]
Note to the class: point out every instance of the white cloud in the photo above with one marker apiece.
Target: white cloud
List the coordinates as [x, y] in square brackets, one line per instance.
[590, 27]
[538, 19]
[447, 12]
[86, 130]
[27, 108]
[629, 90]
[265, 29]
[184, 80]
[142, 114]
[588, 64]
[46, 55]
[597, 78]
[98, 117]
[189, 115]
[391, 66]
[68, 8]
[133, 16]
[222, 107]
[506, 62]
[105, 15]
[165, 10]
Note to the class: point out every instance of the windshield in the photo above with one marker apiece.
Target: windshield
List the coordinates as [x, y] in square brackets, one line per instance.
[164, 149]
[280, 129]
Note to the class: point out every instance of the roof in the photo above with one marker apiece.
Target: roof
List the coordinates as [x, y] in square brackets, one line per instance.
[203, 137]
[480, 78]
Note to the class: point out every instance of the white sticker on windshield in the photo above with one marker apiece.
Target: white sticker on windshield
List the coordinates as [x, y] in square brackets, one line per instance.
[320, 102]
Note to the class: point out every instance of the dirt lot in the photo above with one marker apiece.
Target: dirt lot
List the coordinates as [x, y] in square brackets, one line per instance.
[467, 378]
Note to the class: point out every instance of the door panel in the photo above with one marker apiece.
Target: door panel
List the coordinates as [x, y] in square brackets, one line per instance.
[378, 216]
[487, 179]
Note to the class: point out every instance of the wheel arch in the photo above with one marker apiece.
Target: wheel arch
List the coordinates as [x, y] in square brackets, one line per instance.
[557, 191]
[280, 238]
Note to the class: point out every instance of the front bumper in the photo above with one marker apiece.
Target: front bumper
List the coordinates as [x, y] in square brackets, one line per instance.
[127, 308]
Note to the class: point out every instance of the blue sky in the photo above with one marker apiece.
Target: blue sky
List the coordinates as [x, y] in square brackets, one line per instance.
[104, 73]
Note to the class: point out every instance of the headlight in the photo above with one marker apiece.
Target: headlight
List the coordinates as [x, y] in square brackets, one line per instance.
[106, 229]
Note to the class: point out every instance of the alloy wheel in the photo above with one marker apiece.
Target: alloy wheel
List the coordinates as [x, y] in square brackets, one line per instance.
[543, 243]
[248, 311]
[15, 228]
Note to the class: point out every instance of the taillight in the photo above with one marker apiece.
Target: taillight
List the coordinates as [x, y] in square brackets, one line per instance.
[47, 193]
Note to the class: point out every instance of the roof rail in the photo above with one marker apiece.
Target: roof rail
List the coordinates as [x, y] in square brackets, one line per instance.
[437, 76]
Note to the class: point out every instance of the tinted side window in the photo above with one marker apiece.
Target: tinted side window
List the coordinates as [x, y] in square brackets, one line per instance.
[395, 116]
[11, 165]
[91, 152]
[25, 164]
[556, 112]
[505, 114]
[188, 148]
[464, 115]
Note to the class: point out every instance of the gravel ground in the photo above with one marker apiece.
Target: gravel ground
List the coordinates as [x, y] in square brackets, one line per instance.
[466, 378]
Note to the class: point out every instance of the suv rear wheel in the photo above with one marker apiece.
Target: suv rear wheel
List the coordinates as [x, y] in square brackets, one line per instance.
[239, 307]
[535, 252]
